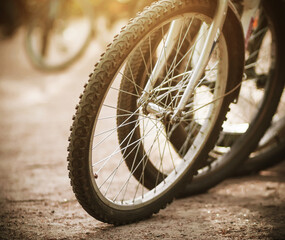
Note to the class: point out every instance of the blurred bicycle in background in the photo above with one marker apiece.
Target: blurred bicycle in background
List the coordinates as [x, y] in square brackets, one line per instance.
[59, 31]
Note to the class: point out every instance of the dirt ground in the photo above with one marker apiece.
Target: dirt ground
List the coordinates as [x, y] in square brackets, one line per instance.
[36, 200]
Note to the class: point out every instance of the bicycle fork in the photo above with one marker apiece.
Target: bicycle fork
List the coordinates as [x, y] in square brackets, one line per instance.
[249, 9]
[210, 42]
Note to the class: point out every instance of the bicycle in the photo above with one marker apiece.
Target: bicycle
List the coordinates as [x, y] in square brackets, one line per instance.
[271, 148]
[58, 33]
[245, 122]
[151, 87]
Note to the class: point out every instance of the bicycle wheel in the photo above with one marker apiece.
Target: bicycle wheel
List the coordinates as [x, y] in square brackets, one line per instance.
[59, 33]
[248, 120]
[112, 127]
[271, 148]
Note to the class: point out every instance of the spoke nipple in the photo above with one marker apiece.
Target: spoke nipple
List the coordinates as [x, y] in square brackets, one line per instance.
[95, 175]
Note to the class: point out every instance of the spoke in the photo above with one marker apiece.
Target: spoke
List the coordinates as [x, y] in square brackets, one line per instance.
[116, 169]
[123, 110]
[135, 85]
[120, 90]
[114, 117]
[166, 78]
[168, 73]
[253, 54]
[123, 157]
[150, 55]
[251, 65]
[261, 31]
[190, 136]
[144, 61]
[159, 131]
[131, 81]
[132, 172]
[118, 150]
[132, 167]
[180, 46]
[114, 153]
[207, 75]
[171, 156]
[161, 154]
[216, 99]
[113, 130]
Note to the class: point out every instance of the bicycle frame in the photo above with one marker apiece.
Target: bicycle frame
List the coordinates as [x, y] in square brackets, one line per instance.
[249, 10]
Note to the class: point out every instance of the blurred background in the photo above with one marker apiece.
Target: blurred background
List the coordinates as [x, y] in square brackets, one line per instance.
[57, 32]
[48, 48]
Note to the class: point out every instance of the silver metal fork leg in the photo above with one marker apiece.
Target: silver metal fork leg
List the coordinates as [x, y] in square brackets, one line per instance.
[212, 37]
[249, 9]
